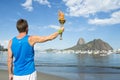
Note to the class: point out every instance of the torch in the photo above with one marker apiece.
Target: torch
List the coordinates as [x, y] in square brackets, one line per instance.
[61, 21]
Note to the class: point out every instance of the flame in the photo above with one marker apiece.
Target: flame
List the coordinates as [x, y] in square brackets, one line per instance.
[61, 15]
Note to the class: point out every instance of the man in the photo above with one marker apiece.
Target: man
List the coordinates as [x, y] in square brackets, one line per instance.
[21, 48]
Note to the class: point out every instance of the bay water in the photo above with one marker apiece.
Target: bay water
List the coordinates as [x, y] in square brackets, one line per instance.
[75, 66]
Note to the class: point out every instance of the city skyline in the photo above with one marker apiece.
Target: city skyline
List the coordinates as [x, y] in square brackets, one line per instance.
[88, 19]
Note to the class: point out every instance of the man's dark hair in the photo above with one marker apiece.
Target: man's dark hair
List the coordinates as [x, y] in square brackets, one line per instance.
[22, 25]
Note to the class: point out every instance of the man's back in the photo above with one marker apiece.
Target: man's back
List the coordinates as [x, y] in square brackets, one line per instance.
[23, 53]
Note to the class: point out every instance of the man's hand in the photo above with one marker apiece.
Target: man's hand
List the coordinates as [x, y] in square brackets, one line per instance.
[62, 29]
[10, 76]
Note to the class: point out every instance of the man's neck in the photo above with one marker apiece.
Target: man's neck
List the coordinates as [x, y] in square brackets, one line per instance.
[21, 35]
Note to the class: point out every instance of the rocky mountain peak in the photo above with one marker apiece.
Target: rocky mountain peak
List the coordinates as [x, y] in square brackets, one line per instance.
[81, 41]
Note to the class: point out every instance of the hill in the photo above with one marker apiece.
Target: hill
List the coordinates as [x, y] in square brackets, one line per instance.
[96, 44]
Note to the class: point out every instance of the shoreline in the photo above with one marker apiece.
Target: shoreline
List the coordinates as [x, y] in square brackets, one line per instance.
[40, 76]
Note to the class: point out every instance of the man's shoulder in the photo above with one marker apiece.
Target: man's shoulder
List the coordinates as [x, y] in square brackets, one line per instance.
[9, 43]
[31, 40]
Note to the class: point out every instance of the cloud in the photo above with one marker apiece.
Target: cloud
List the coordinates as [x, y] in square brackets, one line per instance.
[80, 29]
[114, 19]
[36, 27]
[54, 26]
[91, 29]
[50, 26]
[86, 7]
[70, 29]
[43, 2]
[28, 4]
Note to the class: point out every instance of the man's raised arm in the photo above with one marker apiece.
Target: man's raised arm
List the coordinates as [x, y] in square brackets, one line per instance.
[40, 39]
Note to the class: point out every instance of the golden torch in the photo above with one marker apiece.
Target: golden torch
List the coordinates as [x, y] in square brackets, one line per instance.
[61, 21]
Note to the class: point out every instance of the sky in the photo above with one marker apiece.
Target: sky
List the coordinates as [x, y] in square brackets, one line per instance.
[88, 19]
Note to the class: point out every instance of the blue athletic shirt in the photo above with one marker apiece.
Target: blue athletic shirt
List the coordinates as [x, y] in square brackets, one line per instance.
[23, 54]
